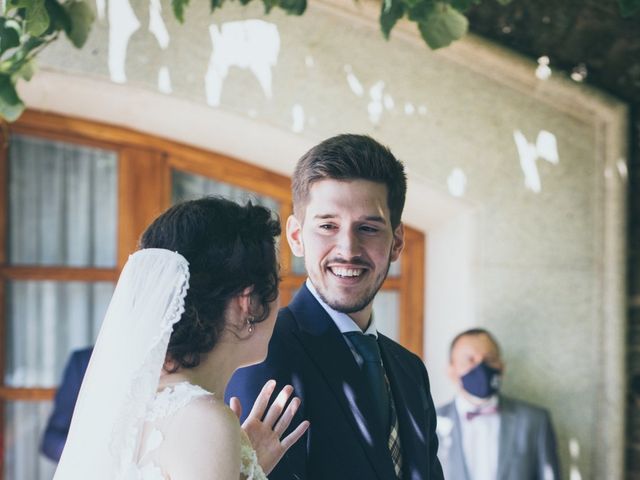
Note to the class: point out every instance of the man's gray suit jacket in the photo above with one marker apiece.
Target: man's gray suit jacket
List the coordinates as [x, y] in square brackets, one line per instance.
[527, 449]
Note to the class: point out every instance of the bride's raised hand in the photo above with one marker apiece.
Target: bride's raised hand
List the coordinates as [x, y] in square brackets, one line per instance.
[265, 429]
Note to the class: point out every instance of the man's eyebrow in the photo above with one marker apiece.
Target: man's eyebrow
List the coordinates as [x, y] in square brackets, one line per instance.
[368, 218]
[375, 218]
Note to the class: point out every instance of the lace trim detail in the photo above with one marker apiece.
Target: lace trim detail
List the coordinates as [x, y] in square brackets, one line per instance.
[127, 431]
[172, 398]
[250, 469]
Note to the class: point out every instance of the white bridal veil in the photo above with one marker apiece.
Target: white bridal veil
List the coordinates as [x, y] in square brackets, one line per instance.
[124, 370]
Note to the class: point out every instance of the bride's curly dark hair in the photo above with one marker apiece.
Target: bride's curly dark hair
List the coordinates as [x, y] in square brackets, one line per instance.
[229, 247]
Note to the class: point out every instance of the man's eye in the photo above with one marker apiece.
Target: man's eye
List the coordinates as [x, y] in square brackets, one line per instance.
[326, 226]
[368, 229]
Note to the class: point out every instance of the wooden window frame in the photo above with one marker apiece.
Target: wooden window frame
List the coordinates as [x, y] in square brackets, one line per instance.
[148, 160]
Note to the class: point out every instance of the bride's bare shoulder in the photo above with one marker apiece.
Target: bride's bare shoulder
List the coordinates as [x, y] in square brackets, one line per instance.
[203, 439]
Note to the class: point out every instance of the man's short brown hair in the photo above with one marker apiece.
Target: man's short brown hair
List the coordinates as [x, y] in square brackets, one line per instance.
[350, 157]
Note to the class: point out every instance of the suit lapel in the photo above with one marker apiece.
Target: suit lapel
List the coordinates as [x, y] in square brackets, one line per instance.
[508, 425]
[456, 463]
[411, 406]
[326, 346]
[451, 450]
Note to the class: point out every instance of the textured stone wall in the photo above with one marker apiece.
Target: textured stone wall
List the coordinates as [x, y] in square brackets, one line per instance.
[633, 358]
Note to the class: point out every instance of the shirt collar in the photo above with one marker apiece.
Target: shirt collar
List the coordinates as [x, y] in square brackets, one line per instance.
[343, 321]
[463, 405]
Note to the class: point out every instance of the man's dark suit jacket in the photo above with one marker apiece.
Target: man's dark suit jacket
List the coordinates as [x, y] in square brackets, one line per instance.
[343, 442]
[55, 435]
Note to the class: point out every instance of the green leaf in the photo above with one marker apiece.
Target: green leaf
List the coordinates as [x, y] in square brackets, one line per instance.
[392, 11]
[464, 5]
[443, 26]
[420, 10]
[244, 2]
[36, 16]
[629, 7]
[293, 7]
[26, 71]
[178, 9]
[82, 17]
[60, 19]
[9, 34]
[215, 4]
[504, 2]
[269, 4]
[10, 104]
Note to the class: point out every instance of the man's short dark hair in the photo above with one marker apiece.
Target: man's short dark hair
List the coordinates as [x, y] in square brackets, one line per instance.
[473, 332]
[350, 157]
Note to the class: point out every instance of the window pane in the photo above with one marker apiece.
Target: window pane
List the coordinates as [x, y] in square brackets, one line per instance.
[394, 268]
[297, 265]
[45, 321]
[386, 310]
[188, 186]
[24, 424]
[62, 204]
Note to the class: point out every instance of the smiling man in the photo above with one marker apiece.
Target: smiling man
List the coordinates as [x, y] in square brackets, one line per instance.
[367, 398]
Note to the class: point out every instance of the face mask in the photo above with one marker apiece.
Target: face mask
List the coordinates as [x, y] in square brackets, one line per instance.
[482, 381]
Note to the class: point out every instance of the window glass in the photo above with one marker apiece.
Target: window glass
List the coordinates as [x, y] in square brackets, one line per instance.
[46, 320]
[189, 186]
[62, 204]
[24, 424]
[386, 310]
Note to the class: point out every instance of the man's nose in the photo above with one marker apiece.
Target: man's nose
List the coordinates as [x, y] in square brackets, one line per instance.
[348, 243]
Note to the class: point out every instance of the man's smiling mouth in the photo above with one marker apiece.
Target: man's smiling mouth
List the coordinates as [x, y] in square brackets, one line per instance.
[345, 272]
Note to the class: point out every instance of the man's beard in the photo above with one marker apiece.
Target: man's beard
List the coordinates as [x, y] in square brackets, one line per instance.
[360, 303]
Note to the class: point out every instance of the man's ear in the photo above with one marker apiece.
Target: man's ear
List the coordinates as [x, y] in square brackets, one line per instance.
[398, 242]
[294, 236]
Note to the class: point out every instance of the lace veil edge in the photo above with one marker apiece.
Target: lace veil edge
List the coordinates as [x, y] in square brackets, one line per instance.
[125, 367]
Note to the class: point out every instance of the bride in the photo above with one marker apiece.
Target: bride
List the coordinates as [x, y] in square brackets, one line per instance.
[198, 301]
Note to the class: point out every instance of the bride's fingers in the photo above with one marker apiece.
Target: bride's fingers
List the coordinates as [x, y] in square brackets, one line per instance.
[236, 406]
[260, 405]
[276, 408]
[287, 416]
[294, 436]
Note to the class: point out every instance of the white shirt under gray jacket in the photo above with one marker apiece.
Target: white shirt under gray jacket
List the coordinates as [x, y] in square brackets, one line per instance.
[516, 443]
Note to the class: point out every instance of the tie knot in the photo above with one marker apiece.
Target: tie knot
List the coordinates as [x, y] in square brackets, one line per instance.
[366, 345]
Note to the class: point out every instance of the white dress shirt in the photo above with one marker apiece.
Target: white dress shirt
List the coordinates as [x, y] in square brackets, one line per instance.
[344, 322]
[480, 438]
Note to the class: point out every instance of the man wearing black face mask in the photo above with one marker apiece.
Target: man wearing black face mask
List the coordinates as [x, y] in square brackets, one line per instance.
[483, 434]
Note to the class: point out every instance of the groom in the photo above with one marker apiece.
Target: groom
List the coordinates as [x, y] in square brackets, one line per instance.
[367, 398]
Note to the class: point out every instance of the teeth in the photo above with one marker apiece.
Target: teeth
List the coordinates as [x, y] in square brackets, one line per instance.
[347, 272]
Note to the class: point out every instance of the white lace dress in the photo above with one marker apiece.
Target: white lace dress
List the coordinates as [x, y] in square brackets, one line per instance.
[166, 403]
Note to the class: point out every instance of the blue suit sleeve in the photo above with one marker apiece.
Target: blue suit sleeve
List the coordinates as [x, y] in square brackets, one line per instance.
[55, 434]
[246, 385]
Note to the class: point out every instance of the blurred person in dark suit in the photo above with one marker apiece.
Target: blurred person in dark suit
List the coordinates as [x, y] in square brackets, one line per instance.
[55, 435]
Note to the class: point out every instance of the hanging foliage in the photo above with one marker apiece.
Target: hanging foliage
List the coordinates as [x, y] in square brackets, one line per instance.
[28, 26]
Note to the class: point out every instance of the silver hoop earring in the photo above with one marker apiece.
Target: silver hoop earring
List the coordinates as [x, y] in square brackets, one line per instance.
[250, 323]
